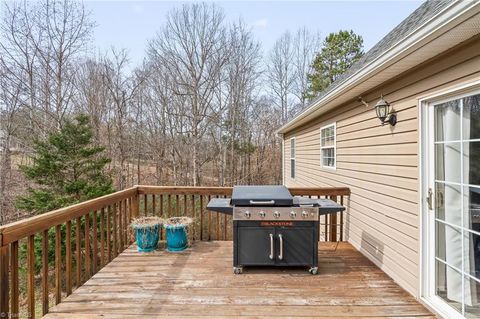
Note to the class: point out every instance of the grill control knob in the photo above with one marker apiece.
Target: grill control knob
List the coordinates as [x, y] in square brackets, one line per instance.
[304, 214]
[247, 214]
[276, 214]
[293, 214]
[262, 214]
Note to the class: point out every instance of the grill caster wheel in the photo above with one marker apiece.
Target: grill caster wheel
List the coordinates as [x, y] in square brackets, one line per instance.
[237, 270]
[313, 270]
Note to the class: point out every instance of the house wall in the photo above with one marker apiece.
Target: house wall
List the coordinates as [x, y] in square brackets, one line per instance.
[380, 163]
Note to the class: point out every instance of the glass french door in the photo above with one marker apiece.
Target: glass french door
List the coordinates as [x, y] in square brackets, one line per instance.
[454, 188]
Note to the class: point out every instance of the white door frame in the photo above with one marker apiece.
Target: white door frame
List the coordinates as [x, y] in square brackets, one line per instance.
[426, 222]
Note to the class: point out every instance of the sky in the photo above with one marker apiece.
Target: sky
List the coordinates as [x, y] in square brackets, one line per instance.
[130, 24]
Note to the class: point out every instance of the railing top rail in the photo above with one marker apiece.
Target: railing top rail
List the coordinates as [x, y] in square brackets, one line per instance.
[20, 229]
[184, 190]
[17, 230]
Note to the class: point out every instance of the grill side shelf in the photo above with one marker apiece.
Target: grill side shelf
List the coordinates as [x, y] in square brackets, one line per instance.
[221, 205]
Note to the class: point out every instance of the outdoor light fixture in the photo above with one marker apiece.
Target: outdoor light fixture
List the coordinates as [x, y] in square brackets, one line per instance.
[383, 111]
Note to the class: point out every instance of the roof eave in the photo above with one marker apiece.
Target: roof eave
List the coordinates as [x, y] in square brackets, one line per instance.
[438, 24]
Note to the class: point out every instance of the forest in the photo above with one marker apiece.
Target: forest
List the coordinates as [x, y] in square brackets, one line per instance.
[201, 109]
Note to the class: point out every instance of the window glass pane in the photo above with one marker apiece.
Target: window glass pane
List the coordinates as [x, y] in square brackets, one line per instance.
[448, 203]
[471, 207]
[471, 163]
[292, 168]
[448, 244]
[447, 162]
[328, 157]
[447, 121]
[471, 262]
[449, 285]
[472, 298]
[292, 148]
[471, 117]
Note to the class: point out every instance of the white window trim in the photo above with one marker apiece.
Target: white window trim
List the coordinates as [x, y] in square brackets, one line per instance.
[293, 157]
[426, 294]
[334, 167]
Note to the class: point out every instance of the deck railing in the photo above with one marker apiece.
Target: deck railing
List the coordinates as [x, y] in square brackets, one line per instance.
[89, 235]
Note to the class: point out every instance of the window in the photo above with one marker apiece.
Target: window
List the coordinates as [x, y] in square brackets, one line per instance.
[292, 157]
[327, 145]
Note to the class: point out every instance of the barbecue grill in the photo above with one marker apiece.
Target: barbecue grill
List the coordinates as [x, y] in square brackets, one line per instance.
[273, 228]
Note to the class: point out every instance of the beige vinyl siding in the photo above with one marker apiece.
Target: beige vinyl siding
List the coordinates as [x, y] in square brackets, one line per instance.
[380, 163]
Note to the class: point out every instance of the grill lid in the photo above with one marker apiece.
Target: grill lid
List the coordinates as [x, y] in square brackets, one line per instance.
[272, 195]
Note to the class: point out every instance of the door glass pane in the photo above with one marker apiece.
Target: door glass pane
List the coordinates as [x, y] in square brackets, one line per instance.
[448, 203]
[471, 260]
[471, 207]
[449, 285]
[447, 121]
[471, 117]
[471, 163]
[449, 244]
[447, 162]
[472, 298]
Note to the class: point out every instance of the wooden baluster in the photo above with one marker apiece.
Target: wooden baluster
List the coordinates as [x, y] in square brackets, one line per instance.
[209, 222]
[78, 251]
[31, 276]
[102, 237]
[161, 215]
[4, 280]
[341, 219]
[15, 292]
[185, 212]
[125, 223]
[201, 217]
[109, 250]
[154, 205]
[129, 210]
[194, 217]
[225, 225]
[58, 264]
[135, 206]
[120, 225]
[177, 206]
[217, 219]
[169, 210]
[333, 223]
[326, 226]
[161, 205]
[45, 290]
[95, 242]
[114, 231]
[145, 205]
[68, 257]
[88, 261]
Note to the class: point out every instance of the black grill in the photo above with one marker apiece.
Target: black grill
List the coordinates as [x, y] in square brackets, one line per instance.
[273, 228]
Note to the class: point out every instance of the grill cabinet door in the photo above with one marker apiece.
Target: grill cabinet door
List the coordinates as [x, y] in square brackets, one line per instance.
[298, 246]
[254, 244]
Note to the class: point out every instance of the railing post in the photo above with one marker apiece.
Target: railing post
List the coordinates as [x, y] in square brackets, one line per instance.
[4, 280]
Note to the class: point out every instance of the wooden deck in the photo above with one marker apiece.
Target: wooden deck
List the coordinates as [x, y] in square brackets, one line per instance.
[199, 283]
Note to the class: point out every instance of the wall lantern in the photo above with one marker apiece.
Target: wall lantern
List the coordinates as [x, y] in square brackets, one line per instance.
[383, 112]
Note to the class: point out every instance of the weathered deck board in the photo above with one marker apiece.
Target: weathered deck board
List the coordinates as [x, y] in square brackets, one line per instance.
[199, 283]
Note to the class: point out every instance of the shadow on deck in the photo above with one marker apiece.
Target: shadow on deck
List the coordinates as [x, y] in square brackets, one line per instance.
[199, 283]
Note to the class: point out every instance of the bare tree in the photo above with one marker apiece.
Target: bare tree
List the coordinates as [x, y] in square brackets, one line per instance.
[306, 46]
[193, 48]
[281, 73]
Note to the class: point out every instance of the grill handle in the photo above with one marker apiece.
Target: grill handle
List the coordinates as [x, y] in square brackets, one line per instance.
[281, 246]
[271, 247]
[262, 202]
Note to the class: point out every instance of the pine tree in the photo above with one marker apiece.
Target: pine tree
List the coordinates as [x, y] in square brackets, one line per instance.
[67, 169]
[339, 51]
